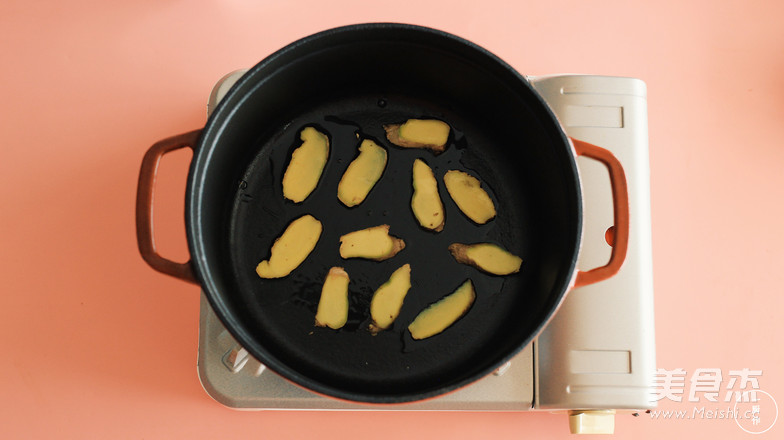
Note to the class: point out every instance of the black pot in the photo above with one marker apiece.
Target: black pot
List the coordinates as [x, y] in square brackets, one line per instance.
[359, 78]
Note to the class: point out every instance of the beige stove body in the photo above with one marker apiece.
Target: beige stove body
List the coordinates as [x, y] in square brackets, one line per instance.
[595, 357]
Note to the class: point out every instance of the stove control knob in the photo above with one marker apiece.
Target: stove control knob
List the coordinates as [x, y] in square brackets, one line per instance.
[598, 421]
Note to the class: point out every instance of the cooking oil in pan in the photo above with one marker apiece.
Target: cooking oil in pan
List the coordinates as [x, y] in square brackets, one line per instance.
[287, 307]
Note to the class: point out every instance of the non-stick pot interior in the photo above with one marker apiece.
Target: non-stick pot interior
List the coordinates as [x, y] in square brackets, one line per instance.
[349, 82]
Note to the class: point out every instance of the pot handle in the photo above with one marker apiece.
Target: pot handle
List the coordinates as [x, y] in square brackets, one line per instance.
[144, 199]
[620, 193]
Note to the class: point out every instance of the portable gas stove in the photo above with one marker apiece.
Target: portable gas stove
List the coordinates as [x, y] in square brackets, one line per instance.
[597, 355]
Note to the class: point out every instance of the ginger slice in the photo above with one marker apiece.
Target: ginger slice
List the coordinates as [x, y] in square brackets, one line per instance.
[388, 299]
[306, 165]
[291, 248]
[440, 315]
[431, 134]
[362, 173]
[426, 203]
[372, 243]
[333, 304]
[487, 257]
[469, 196]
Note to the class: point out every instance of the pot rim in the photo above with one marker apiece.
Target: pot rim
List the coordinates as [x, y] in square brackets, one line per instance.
[202, 152]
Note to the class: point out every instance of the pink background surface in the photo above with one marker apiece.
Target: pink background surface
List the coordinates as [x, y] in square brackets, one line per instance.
[95, 344]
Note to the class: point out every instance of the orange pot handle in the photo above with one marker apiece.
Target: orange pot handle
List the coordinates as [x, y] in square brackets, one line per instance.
[620, 193]
[144, 199]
